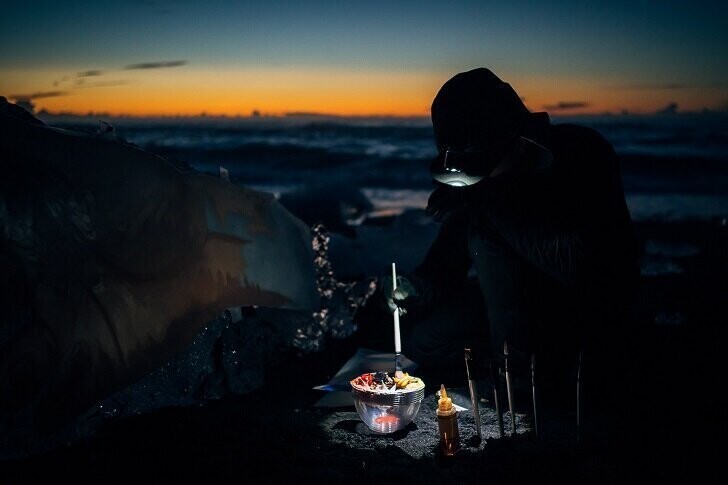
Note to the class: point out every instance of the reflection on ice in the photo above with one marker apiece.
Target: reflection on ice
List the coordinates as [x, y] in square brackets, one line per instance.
[676, 207]
[668, 318]
[659, 266]
[670, 249]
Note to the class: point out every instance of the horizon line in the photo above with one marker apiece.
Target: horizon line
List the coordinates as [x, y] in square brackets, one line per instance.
[303, 115]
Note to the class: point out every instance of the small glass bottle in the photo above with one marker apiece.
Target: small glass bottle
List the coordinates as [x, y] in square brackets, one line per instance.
[447, 422]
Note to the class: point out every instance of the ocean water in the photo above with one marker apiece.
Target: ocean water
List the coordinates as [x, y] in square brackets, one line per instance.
[673, 167]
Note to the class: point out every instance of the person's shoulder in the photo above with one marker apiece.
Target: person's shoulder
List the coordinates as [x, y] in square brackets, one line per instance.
[569, 135]
[580, 148]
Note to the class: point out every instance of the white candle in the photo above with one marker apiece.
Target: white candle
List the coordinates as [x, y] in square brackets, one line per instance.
[397, 342]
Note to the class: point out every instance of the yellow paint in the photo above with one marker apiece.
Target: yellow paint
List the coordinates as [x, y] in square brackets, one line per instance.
[444, 404]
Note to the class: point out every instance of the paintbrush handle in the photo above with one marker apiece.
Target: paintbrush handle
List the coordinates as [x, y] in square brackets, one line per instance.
[397, 338]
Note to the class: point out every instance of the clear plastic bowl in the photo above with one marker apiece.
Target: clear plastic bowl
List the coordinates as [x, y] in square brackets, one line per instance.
[387, 412]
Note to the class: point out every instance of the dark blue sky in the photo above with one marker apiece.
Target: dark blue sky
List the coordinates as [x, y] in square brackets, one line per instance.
[623, 46]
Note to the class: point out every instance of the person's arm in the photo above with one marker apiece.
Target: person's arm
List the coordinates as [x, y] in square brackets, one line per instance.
[446, 265]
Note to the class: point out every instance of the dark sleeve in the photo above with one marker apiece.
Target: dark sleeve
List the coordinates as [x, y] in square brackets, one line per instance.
[571, 222]
[447, 262]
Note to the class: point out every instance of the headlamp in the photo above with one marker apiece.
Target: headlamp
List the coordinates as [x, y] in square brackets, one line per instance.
[461, 168]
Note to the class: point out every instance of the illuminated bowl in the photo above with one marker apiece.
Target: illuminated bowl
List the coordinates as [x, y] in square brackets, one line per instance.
[387, 412]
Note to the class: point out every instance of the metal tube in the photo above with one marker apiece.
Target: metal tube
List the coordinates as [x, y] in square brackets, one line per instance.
[509, 391]
[499, 414]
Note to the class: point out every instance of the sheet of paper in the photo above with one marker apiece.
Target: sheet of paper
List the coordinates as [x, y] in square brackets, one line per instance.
[459, 400]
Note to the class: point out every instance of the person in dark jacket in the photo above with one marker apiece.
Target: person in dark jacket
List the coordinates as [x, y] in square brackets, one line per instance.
[538, 210]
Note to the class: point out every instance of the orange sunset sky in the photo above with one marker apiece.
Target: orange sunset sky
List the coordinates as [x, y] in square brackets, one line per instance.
[230, 58]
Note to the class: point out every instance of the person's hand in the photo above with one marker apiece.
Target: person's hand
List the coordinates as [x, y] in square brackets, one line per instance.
[406, 295]
[443, 201]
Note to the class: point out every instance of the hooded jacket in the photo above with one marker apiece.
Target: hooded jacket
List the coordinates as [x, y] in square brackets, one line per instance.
[570, 222]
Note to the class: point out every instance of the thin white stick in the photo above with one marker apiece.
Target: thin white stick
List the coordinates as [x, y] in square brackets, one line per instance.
[397, 342]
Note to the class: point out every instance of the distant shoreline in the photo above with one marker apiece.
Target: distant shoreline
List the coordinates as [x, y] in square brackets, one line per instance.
[306, 117]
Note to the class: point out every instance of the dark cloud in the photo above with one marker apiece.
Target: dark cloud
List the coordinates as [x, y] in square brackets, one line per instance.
[59, 81]
[38, 95]
[670, 109]
[90, 73]
[25, 101]
[653, 86]
[104, 84]
[564, 105]
[156, 65]
[668, 86]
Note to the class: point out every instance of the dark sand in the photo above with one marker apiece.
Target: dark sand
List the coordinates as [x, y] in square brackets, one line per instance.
[276, 434]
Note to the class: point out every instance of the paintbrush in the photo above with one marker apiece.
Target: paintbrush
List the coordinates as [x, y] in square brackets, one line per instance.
[473, 393]
[397, 341]
[496, 378]
[509, 391]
